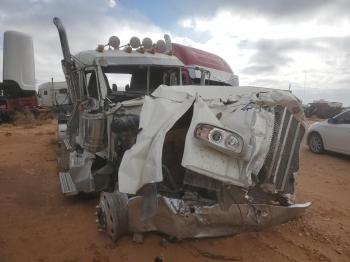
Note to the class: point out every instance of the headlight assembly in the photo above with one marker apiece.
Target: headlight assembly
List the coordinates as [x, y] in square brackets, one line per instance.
[219, 138]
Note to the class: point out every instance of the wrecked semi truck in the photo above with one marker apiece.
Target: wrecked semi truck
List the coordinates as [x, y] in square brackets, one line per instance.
[189, 161]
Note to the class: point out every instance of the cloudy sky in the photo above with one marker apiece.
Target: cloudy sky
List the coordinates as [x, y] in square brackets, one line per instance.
[270, 43]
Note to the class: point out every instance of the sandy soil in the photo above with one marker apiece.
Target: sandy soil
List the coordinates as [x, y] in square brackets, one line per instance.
[38, 224]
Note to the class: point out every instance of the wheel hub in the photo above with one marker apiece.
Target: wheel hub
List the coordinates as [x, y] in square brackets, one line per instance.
[316, 143]
[112, 214]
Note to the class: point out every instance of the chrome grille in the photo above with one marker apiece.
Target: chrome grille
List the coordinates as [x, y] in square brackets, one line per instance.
[283, 157]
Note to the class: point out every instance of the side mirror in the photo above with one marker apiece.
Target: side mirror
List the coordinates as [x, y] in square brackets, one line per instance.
[332, 120]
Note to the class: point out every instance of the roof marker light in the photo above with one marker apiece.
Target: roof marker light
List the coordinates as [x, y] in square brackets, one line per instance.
[128, 49]
[135, 42]
[114, 42]
[141, 50]
[100, 48]
[153, 49]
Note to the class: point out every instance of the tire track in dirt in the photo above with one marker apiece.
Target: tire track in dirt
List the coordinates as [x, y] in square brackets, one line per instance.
[298, 250]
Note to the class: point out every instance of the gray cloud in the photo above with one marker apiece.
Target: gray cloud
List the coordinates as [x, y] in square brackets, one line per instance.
[87, 24]
[111, 3]
[274, 9]
[257, 69]
[308, 94]
[273, 54]
[321, 63]
[269, 56]
[269, 62]
[335, 92]
[268, 45]
[279, 9]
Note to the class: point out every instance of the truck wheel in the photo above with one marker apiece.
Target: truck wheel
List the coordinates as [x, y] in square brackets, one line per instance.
[112, 214]
[315, 143]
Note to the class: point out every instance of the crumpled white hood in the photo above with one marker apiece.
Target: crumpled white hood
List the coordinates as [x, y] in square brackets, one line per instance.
[245, 110]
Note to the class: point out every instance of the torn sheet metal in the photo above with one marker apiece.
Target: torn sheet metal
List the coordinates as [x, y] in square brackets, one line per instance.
[182, 220]
[142, 163]
[255, 127]
[246, 110]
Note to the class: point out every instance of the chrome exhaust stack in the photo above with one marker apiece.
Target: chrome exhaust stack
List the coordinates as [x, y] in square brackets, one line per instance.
[63, 38]
[68, 66]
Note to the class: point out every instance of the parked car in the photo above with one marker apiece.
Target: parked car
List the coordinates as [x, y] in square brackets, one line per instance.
[332, 134]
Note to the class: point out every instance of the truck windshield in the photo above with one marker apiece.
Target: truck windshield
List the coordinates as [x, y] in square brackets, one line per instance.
[139, 79]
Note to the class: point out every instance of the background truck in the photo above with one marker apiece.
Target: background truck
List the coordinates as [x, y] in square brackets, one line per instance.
[54, 96]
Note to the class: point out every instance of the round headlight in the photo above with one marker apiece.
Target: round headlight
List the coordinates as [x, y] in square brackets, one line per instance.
[216, 136]
[114, 42]
[135, 42]
[147, 43]
[232, 141]
[161, 47]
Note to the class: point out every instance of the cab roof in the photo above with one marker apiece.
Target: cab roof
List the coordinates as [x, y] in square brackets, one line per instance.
[193, 56]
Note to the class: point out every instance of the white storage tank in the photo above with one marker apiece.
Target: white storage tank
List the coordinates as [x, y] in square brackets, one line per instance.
[18, 60]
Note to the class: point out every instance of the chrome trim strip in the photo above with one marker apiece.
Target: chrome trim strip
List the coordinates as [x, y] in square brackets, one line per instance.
[277, 144]
[291, 156]
[282, 148]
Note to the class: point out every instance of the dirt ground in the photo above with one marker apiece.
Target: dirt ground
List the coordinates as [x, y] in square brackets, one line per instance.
[37, 223]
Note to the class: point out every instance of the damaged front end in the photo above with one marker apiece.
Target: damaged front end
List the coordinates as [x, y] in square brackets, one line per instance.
[203, 161]
[184, 160]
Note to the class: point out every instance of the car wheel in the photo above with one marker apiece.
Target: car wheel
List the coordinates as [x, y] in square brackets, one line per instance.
[316, 143]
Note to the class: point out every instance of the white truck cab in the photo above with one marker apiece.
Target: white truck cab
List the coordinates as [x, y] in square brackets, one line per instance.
[189, 161]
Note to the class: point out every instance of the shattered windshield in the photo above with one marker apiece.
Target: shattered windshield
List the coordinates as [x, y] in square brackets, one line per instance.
[139, 79]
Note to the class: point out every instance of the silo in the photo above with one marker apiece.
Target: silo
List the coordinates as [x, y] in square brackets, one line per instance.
[18, 60]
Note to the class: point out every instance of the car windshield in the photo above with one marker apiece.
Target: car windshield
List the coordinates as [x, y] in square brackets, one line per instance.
[136, 78]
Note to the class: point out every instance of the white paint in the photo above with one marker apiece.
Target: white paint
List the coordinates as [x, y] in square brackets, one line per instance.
[18, 59]
[142, 163]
